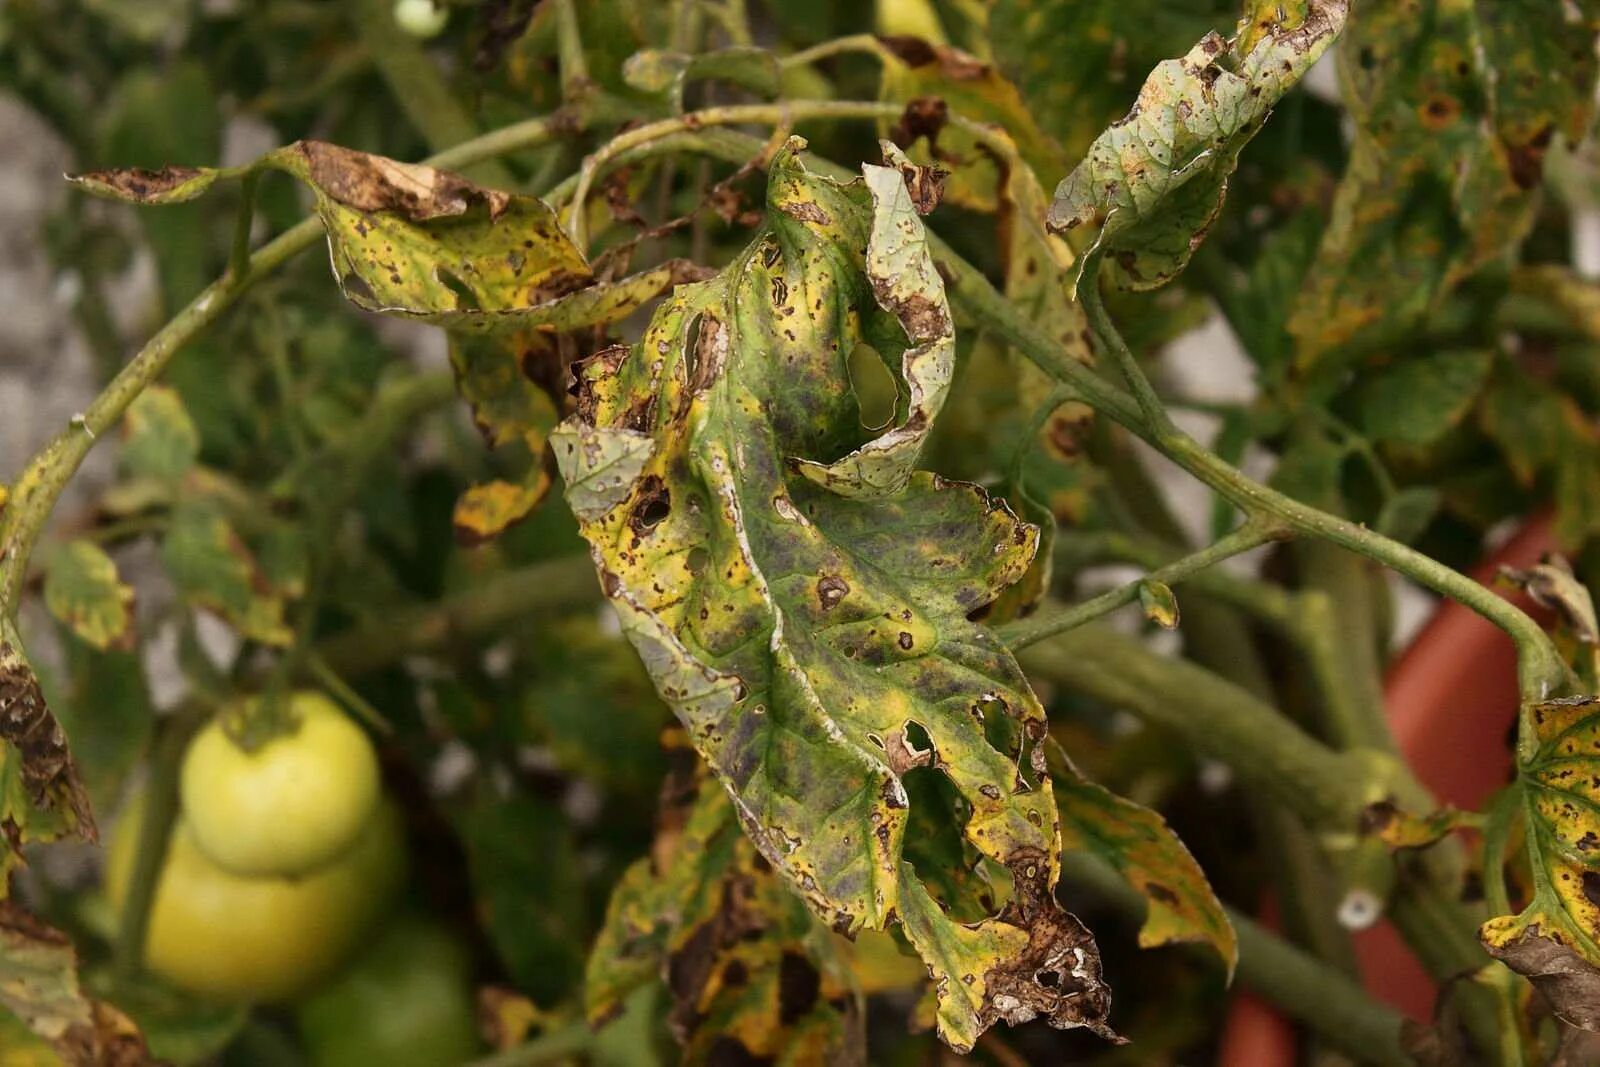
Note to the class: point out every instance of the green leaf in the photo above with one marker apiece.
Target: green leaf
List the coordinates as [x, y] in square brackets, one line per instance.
[83, 590]
[1089, 75]
[1555, 940]
[1455, 104]
[1407, 513]
[1139, 845]
[1418, 399]
[1155, 180]
[214, 569]
[160, 440]
[814, 638]
[753, 975]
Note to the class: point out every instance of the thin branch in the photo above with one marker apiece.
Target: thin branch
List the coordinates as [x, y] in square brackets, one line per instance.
[1025, 632]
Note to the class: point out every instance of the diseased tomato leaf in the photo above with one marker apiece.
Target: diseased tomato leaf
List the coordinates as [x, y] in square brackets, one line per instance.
[752, 974]
[800, 596]
[1138, 844]
[39, 985]
[160, 440]
[1155, 180]
[83, 589]
[1555, 940]
[1455, 103]
[42, 797]
[1099, 49]
[214, 569]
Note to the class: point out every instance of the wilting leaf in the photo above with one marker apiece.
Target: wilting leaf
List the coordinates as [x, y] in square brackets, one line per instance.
[934, 80]
[41, 795]
[214, 569]
[160, 440]
[83, 590]
[753, 975]
[1400, 829]
[1139, 845]
[1552, 585]
[1455, 103]
[426, 243]
[1418, 399]
[1159, 604]
[1555, 941]
[506, 406]
[1155, 180]
[813, 639]
[39, 984]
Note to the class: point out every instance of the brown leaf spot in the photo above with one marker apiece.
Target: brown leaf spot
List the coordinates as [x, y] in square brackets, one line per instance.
[924, 116]
[48, 770]
[376, 183]
[1568, 981]
[139, 184]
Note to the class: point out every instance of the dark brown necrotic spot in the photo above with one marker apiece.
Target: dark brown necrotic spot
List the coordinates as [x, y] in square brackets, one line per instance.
[798, 986]
[830, 590]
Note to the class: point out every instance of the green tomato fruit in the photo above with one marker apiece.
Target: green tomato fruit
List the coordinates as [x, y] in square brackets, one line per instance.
[405, 1002]
[421, 18]
[291, 805]
[237, 938]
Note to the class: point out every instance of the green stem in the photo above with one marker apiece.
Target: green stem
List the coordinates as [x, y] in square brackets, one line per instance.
[554, 1046]
[549, 587]
[239, 254]
[1024, 632]
[575, 81]
[1331, 1003]
[1540, 668]
[858, 43]
[1216, 717]
[781, 113]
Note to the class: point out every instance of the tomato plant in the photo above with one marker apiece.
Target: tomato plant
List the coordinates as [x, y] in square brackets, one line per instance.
[824, 522]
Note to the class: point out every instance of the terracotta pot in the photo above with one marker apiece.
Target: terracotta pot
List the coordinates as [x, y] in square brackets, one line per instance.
[1458, 681]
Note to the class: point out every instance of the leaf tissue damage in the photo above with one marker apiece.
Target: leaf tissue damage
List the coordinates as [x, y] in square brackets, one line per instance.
[800, 592]
[1154, 181]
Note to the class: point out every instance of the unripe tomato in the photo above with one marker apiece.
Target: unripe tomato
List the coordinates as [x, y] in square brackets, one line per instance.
[406, 1002]
[289, 806]
[238, 938]
[421, 18]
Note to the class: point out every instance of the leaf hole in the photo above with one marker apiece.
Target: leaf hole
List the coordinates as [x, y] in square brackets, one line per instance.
[466, 299]
[877, 393]
[356, 288]
[653, 506]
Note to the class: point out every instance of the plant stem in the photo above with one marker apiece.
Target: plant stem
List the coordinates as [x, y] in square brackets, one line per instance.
[1216, 717]
[858, 43]
[569, 51]
[1329, 1002]
[1025, 632]
[552, 586]
[782, 113]
[556, 1045]
[1540, 668]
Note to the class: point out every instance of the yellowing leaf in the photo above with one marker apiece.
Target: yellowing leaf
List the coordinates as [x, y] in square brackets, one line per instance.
[814, 638]
[752, 973]
[1155, 181]
[83, 590]
[39, 984]
[1456, 103]
[1139, 845]
[214, 569]
[1555, 940]
[160, 439]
